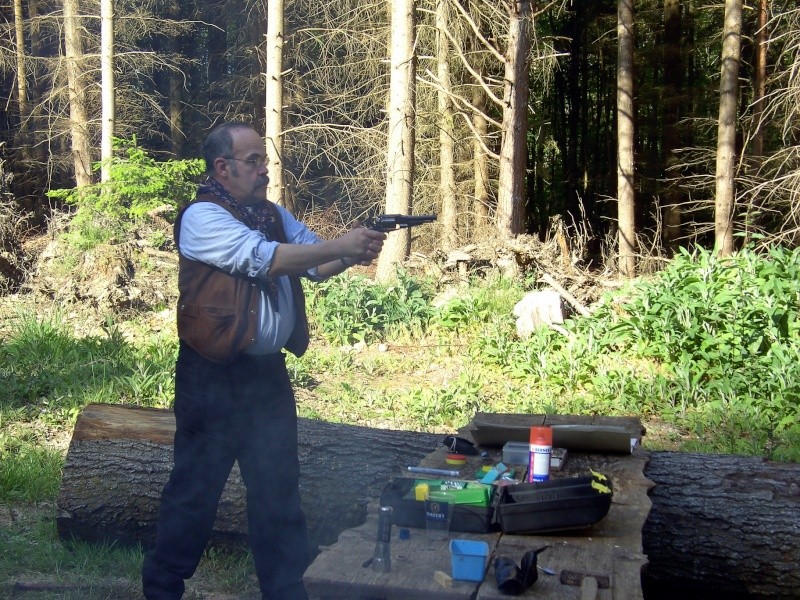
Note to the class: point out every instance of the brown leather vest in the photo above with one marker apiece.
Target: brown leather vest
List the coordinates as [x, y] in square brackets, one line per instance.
[218, 312]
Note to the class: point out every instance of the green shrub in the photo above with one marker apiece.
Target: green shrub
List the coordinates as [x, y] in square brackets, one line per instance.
[138, 184]
[710, 344]
[351, 308]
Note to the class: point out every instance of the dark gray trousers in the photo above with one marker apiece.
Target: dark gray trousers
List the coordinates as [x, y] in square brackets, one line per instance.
[244, 411]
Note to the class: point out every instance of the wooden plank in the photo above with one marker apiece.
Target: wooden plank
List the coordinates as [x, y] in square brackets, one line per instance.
[338, 571]
[494, 429]
[576, 553]
[612, 547]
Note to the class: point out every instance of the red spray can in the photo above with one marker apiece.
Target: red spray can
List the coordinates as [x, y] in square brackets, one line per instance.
[541, 445]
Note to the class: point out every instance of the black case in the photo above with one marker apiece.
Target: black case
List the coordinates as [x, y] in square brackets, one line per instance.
[526, 508]
[555, 505]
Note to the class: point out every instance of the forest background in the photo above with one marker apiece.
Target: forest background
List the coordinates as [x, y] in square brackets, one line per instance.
[645, 112]
[510, 111]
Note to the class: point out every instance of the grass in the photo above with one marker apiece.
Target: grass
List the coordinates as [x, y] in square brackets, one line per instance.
[706, 369]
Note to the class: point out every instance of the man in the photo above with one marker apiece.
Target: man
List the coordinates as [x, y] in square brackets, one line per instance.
[241, 303]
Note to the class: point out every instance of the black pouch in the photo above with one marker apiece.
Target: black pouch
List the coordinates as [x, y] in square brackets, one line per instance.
[508, 576]
[511, 579]
[459, 445]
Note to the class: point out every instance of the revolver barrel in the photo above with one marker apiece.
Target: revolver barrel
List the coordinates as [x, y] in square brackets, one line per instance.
[394, 222]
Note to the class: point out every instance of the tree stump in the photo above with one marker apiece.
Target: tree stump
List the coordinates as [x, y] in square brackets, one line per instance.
[120, 458]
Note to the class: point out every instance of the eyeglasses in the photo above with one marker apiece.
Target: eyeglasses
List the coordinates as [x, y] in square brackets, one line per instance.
[259, 161]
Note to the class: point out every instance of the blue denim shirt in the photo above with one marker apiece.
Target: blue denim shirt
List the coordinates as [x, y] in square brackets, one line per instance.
[211, 234]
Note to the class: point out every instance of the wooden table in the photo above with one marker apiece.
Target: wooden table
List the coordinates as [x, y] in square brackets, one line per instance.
[611, 548]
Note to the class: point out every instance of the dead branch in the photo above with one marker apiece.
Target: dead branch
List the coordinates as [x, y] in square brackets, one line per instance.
[548, 279]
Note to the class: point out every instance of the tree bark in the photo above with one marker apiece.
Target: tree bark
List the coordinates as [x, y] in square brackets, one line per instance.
[274, 102]
[401, 135]
[107, 84]
[176, 85]
[760, 79]
[481, 221]
[726, 130]
[22, 80]
[625, 140]
[78, 118]
[673, 90]
[447, 177]
[726, 525]
[480, 162]
[761, 39]
[514, 145]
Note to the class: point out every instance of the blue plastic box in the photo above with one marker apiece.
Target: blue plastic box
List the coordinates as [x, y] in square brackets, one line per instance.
[468, 559]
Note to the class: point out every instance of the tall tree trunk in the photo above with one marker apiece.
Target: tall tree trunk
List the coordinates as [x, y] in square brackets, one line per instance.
[759, 105]
[22, 80]
[480, 160]
[274, 101]
[514, 148]
[625, 140]
[78, 119]
[38, 151]
[401, 134]
[760, 78]
[673, 88]
[447, 178]
[177, 135]
[726, 131]
[107, 85]
[480, 164]
[574, 108]
[176, 83]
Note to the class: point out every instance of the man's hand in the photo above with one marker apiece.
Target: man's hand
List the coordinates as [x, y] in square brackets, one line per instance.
[362, 245]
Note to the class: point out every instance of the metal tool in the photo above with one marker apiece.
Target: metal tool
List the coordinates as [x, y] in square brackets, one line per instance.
[427, 471]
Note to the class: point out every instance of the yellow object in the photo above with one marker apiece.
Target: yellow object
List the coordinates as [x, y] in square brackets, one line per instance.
[456, 459]
[597, 479]
[443, 579]
[421, 491]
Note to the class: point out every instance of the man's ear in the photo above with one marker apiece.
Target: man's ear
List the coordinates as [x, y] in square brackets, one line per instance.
[220, 166]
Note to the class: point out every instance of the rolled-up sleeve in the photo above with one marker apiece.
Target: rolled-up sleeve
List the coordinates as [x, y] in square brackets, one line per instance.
[211, 234]
[298, 233]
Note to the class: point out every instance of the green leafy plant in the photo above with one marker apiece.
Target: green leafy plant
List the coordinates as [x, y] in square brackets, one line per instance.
[353, 308]
[138, 184]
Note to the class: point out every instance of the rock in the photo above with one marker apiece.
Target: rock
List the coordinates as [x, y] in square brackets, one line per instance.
[537, 309]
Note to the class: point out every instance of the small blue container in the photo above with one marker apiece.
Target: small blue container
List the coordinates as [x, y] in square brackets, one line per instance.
[468, 559]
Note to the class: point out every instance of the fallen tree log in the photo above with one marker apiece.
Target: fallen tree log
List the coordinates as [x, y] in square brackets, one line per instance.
[719, 526]
[722, 525]
[119, 459]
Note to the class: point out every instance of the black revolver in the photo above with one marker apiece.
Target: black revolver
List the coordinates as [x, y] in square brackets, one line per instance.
[387, 223]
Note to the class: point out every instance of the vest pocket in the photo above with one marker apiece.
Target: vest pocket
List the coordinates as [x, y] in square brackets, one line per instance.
[211, 331]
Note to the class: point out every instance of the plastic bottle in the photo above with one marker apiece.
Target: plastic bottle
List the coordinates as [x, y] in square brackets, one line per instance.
[541, 445]
[382, 558]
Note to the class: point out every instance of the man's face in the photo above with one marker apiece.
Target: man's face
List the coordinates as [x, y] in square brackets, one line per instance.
[244, 172]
